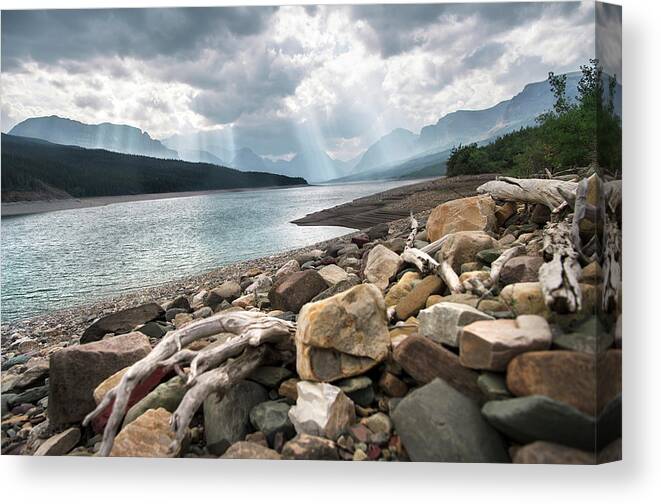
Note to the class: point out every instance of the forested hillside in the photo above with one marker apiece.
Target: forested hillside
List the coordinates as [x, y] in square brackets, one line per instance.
[34, 169]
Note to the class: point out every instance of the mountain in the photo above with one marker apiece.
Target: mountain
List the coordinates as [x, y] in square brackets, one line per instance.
[245, 159]
[396, 145]
[33, 169]
[199, 156]
[112, 137]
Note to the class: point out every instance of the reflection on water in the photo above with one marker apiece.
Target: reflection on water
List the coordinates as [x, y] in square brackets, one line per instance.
[65, 258]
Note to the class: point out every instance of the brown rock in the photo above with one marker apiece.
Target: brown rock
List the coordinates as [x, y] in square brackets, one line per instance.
[392, 386]
[481, 276]
[544, 452]
[77, 370]
[540, 214]
[526, 298]
[122, 321]
[288, 389]
[382, 264]
[570, 377]
[504, 212]
[462, 247]
[487, 304]
[248, 450]
[228, 291]
[307, 447]
[416, 300]
[290, 293]
[491, 344]
[476, 213]
[36, 372]
[592, 274]
[59, 444]
[149, 435]
[109, 383]
[402, 287]
[521, 269]
[342, 336]
[425, 360]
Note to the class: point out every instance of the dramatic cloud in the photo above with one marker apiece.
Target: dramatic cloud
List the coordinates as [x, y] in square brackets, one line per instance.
[280, 80]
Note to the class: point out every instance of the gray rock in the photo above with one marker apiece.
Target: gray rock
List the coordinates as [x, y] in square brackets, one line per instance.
[493, 386]
[155, 329]
[438, 424]
[443, 321]
[272, 417]
[227, 418]
[59, 444]
[342, 286]
[270, 376]
[203, 312]
[122, 321]
[180, 302]
[378, 231]
[359, 389]
[171, 313]
[30, 396]
[14, 361]
[167, 395]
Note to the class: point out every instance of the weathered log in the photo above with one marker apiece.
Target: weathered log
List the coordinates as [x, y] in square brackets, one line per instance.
[421, 260]
[497, 265]
[413, 233]
[543, 191]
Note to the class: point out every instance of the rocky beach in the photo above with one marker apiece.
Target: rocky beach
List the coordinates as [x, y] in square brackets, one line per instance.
[435, 333]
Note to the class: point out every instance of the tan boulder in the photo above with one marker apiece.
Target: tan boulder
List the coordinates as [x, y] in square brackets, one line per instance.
[149, 435]
[527, 298]
[402, 287]
[416, 300]
[109, 383]
[476, 213]
[333, 274]
[250, 450]
[463, 246]
[382, 264]
[342, 336]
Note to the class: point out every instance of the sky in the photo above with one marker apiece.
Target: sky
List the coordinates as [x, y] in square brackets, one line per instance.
[274, 78]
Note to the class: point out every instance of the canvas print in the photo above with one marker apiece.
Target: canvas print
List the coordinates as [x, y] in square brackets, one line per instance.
[334, 232]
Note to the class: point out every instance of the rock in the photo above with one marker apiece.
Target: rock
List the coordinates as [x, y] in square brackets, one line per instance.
[342, 336]
[307, 447]
[481, 276]
[271, 417]
[521, 269]
[487, 256]
[540, 214]
[526, 298]
[504, 212]
[359, 455]
[122, 321]
[76, 371]
[361, 239]
[438, 424]
[333, 274]
[382, 264]
[182, 319]
[203, 312]
[415, 300]
[533, 418]
[167, 396]
[610, 453]
[227, 417]
[589, 337]
[293, 291]
[288, 389]
[344, 285]
[29, 396]
[248, 450]
[149, 435]
[379, 423]
[228, 291]
[171, 313]
[592, 274]
[392, 386]
[403, 286]
[288, 268]
[425, 360]
[155, 329]
[476, 213]
[492, 344]
[15, 361]
[261, 284]
[358, 389]
[312, 255]
[333, 249]
[543, 452]
[570, 377]
[378, 231]
[488, 304]
[36, 372]
[59, 444]
[198, 299]
[463, 247]
[443, 322]
[109, 383]
[493, 386]
[322, 410]
[270, 376]
[180, 302]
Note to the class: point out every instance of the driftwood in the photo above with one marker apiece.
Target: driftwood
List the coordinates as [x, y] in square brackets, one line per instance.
[413, 233]
[252, 329]
[427, 264]
[547, 192]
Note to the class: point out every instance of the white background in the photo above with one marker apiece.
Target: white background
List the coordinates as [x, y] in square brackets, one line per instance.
[637, 479]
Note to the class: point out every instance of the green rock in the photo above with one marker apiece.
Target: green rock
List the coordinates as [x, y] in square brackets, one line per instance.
[493, 386]
[488, 256]
[271, 417]
[167, 395]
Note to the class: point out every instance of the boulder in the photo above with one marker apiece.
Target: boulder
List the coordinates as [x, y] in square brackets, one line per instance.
[322, 410]
[425, 360]
[167, 396]
[261, 284]
[77, 370]
[342, 336]
[416, 300]
[543, 452]
[443, 322]
[570, 377]
[333, 274]
[288, 268]
[59, 444]
[521, 269]
[108, 384]
[463, 247]
[476, 213]
[492, 344]
[526, 298]
[344, 285]
[122, 321]
[378, 231]
[382, 264]
[149, 435]
[307, 447]
[271, 418]
[403, 286]
[248, 450]
[438, 424]
[227, 417]
[290, 293]
[228, 291]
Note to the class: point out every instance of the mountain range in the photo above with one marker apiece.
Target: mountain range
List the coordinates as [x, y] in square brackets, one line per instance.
[399, 154]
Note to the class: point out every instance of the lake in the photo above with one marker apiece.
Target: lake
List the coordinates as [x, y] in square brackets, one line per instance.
[60, 259]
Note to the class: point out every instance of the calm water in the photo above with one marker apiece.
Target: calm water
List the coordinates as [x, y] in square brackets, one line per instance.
[60, 259]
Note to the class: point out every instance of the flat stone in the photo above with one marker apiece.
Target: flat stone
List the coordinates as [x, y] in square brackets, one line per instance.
[590, 337]
[487, 304]
[543, 452]
[492, 344]
[425, 360]
[540, 418]
[322, 410]
[443, 322]
[271, 418]
[521, 269]
[307, 447]
[76, 371]
[570, 377]
[59, 444]
[167, 396]
[227, 417]
[342, 336]
[378, 231]
[248, 450]
[403, 286]
[382, 265]
[463, 247]
[416, 300]
[149, 435]
[476, 213]
[122, 321]
[333, 274]
[438, 424]
[290, 293]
